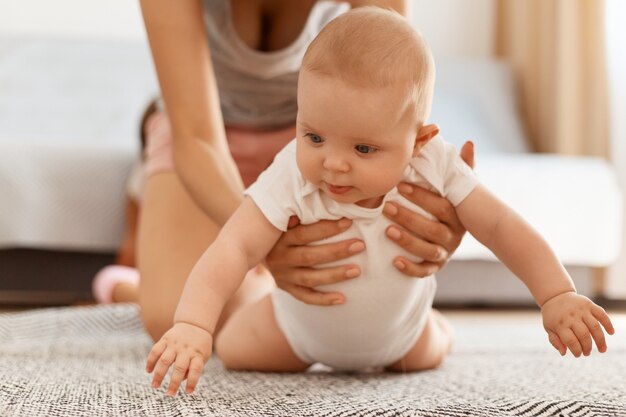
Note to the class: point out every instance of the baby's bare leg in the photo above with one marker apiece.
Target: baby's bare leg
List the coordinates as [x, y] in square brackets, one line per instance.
[431, 348]
[251, 341]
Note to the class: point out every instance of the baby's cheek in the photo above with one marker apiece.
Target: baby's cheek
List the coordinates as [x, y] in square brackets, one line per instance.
[383, 181]
[307, 169]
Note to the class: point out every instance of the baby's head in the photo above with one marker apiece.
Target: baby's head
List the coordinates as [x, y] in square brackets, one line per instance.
[364, 95]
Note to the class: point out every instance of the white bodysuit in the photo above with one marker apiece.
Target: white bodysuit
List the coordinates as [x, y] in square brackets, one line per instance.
[385, 311]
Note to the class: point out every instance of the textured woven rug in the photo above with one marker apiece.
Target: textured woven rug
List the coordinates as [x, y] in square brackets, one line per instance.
[90, 361]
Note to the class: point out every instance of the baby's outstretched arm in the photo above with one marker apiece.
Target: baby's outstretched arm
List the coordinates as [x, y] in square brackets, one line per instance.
[570, 319]
[242, 243]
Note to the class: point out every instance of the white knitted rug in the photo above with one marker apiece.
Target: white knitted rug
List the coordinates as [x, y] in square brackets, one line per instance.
[89, 361]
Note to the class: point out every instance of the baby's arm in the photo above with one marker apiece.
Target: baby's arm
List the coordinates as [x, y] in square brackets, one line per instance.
[570, 319]
[242, 243]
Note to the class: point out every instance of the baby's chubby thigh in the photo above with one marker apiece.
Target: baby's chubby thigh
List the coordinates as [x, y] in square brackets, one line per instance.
[431, 348]
[252, 341]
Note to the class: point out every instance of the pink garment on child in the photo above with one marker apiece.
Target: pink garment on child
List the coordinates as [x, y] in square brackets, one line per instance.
[252, 150]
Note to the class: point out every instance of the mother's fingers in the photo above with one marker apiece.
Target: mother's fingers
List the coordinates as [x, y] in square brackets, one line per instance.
[313, 297]
[427, 229]
[305, 234]
[433, 203]
[418, 247]
[321, 254]
[467, 153]
[313, 277]
[414, 270]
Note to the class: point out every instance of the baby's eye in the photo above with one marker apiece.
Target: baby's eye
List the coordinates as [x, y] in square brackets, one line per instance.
[314, 138]
[364, 149]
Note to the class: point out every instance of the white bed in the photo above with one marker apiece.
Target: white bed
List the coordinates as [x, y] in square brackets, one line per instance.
[68, 136]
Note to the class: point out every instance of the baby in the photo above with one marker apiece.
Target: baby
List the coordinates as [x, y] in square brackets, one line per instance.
[364, 95]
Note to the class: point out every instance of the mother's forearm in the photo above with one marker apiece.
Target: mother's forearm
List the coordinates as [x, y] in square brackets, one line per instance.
[210, 175]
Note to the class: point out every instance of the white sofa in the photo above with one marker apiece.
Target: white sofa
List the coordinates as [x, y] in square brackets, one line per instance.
[574, 202]
[69, 111]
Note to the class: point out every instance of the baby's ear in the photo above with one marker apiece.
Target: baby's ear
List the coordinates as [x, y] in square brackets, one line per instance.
[424, 135]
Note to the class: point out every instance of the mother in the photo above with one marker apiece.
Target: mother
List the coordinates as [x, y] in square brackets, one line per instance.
[228, 71]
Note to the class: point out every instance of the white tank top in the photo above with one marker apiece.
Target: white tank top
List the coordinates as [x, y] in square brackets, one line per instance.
[258, 89]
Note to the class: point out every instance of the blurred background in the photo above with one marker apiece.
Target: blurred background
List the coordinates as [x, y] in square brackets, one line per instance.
[538, 85]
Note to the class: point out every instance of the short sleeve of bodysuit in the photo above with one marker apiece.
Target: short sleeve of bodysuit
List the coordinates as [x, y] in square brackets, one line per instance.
[278, 190]
[441, 166]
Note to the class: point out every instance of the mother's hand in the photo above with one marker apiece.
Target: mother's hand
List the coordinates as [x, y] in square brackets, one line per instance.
[292, 261]
[432, 240]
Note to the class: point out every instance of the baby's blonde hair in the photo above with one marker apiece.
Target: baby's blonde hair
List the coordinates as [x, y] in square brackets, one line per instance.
[374, 47]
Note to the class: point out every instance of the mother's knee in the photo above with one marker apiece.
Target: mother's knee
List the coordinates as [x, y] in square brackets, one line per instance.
[155, 320]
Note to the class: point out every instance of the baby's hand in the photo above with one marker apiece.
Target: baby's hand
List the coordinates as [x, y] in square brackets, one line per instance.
[188, 348]
[571, 320]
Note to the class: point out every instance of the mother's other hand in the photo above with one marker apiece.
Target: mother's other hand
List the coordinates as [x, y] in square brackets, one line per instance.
[292, 261]
[432, 240]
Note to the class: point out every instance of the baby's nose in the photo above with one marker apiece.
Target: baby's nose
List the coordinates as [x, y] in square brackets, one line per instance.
[336, 163]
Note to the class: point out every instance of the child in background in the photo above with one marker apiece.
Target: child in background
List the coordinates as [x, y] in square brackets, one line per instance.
[364, 96]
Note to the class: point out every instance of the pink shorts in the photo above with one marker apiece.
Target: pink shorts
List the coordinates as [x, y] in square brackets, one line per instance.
[252, 150]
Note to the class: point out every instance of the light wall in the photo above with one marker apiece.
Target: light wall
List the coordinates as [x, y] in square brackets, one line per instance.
[118, 19]
[616, 38]
[451, 27]
[456, 28]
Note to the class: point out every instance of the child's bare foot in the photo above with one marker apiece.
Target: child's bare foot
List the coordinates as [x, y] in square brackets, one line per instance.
[433, 345]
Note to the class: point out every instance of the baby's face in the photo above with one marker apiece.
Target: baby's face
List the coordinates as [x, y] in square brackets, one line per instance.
[353, 143]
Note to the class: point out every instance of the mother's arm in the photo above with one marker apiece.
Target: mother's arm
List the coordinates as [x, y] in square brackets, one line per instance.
[181, 54]
[172, 233]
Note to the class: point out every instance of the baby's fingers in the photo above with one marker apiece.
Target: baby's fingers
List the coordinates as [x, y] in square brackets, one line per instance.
[556, 342]
[195, 369]
[599, 313]
[180, 370]
[155, 353]
[568, 337]
[583, 336]
[167, 358]
[596, 332]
